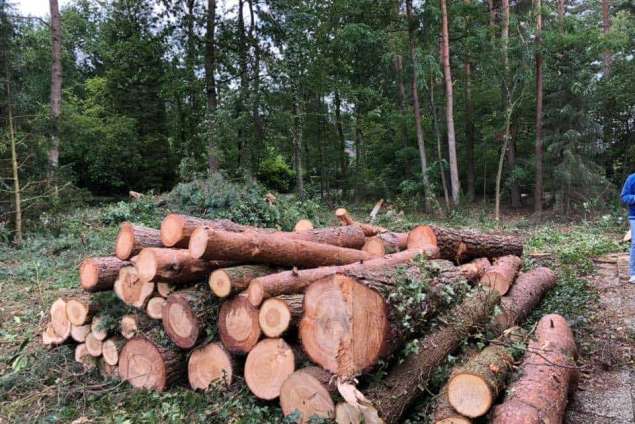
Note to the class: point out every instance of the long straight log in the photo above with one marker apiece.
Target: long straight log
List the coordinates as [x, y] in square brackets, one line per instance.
[293, 282]
[548, 373]
[269, 249]
[186, 314]
[227, 281]
[176, 266]
[132, 238]
[392, 241]
[176, 229]
[100, 273]
[502, 274]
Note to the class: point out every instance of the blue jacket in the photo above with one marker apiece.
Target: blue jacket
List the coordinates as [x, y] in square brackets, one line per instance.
[628, 195]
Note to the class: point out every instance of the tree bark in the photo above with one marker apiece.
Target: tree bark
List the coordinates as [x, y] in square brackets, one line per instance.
[305, 391]
[297, 147]
[227, 281]
[548, 374]
[343, 156]
[132, 238]
[406, 381]
[210, 86]
[437, 135]
[412, 28]
[514, 189]
[186, 315]
[606, 28]
[447, 72]
[469, 123]
[238, 325]
[208, 365]
[502, 274]
[176, 266]
[56, 89]
[244, 149]
[267, 366]
[176, 229]
[539, 150]
[100, 273]
[508, 104]
[17, 191]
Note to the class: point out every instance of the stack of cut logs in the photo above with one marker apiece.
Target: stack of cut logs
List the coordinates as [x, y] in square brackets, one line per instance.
[205, 300]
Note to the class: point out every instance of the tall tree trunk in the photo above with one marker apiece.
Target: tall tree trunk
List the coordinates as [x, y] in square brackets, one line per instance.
[415, 103]
[244, 159]
[469, 123]
[445, 59]
[538, 187]
[210, 80]
[492, 16]
[14, 159]
[508, 104]
[561, 9]
[437, 135]
[511, 158]
[606, 27]
[297, 146]
[340, 134]
[56, 91]
[398, 65]
[259, 127]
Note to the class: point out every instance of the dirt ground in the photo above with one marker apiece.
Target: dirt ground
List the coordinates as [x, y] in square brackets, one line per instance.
[606, 389]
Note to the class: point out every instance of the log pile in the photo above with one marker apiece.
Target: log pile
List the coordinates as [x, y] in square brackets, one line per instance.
[202, 300]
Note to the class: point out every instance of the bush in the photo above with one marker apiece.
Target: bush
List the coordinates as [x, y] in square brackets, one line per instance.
[276, 174]
[142, 211]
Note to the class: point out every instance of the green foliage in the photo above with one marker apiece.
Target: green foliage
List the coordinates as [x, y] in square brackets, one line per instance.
[276, 174]
[143, 211]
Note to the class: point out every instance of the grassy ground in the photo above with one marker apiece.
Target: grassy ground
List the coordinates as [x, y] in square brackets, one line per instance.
[37, 385]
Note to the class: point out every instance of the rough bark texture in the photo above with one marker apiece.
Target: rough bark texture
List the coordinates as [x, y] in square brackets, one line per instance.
[273, 249]
[404, 384]
[132, 238]
[539, 148]
[277, 314]
[56, 87]
[295, 281]
[502, 274]
[100, 273]
[305, 393]
[150, 362]
[444, 413]
[208, 365]
[267, 366]
[238, 325]
[548, 374]
[186, 314]
[176, 266]
[227, 281]
[176, 229]
[606, 28]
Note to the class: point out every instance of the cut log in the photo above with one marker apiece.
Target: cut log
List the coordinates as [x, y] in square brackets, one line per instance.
[111, 348]
[475, 269]
[501, 275]
[132, 325]
[79, 333]
[59, 319]
[548, 373]
[293, 282]
[150, 362]
[100, 327]
[155, 307]
[407, 380]
[392, 241]
[226, 281]
[461, 246]
[83, 357]
[345, 413]
[172, 265]
[305, 393]
[444, 413]
[474, 386]
[273, 249]
[375, 211]
[238, 325]
[277, 314]
[209, 365]
[51, 338]
[176, 229]
[81, 309]
[186, 314]
[100, 273]
[132, 238]
[374, 246]
[94, 346]
[164, 288]
[522, 298]
[131, 290]
[303, 225]
[267, 366]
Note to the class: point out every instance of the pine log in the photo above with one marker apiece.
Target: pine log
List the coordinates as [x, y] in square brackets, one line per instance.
[79, 333]
[392, 241]
[83, 357]
[267, 366]
[111, 348]
[345, 413]
[548, 374]
[304, 391]
[227, 281]
[81, 309]
[209, 365]
[392, 396]
[522, 298]
[154, 309]
[461, 246]
[475, 269]
[100, 273]
[293, 282]
[273, 249]
[135, 324]
[94, 346]
[374, 246]
[502, 274]
[132, 238]
[303, 225]
[59, 319]
[151, 362]
[176, 229]
[131, 290]
[277, 314]
[100, 327]
[186, 314]
[238, 325]
[175, 266]
[164, 288]
[51, 338]
[444, 413]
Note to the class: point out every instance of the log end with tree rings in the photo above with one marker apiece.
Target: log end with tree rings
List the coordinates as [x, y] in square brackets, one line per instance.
[146, 265]
[267, 366]
[164, 288]
[209, 365]
[274, 317]
[303, 225]
[128, 326]
[110, 349]
[306, 394]
[374, 246]
[238, 325]
[198, 242]
[100, 273]
[51, 338]
[83, 357]
[172, 230]
[421, 236]
[255, 293]
[471, 394]
[343, 216]
[345, 327]
[220, 283]
[125, 242]
[94, 345]
[99, 328]
[146, 365]
[500, 276]
[179, 322]
[154, 309]
[77, 311]
[79, 332]
[59, 318]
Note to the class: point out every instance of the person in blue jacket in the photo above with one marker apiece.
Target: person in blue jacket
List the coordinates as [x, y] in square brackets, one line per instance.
[628, 197]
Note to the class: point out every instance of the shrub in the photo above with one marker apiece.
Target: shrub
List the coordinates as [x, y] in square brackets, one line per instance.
[276, 174]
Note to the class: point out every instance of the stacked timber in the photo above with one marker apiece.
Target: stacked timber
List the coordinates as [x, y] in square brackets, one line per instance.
[203, 300]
